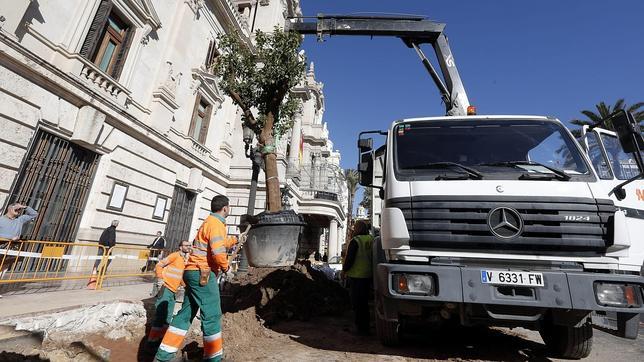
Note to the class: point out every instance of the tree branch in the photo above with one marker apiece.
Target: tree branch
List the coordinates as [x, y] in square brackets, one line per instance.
[247, 113]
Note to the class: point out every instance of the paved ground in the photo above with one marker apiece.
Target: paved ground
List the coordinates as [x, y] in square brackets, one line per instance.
[329, 339]
[19, 304]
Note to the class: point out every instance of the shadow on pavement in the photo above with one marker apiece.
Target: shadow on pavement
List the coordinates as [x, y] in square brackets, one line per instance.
[479, 343]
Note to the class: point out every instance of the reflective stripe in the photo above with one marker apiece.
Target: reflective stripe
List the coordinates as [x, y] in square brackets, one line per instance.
[177, 331]
[168, 274]
[199, 252]
[216, 354]
[219, 250]
[168, 349]
[215, 239]
[212, 338]
[175, 270]
[201, 244]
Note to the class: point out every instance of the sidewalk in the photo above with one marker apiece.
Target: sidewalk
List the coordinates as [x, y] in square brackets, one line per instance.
[23, 304]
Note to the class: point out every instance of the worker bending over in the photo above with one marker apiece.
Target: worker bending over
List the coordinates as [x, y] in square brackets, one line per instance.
[170, 275]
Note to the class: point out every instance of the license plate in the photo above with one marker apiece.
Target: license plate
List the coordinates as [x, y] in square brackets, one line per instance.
[501, 277]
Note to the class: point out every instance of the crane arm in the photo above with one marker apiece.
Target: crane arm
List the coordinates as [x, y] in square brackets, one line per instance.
[413, 30]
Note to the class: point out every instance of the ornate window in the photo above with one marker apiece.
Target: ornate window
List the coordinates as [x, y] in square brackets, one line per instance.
[108, 40]
[212, 55]
[200, 120]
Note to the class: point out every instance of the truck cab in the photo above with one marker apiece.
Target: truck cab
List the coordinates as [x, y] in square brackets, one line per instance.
[504, 221]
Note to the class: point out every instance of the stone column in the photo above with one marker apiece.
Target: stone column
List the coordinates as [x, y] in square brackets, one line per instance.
[333, 238]
[296, 134]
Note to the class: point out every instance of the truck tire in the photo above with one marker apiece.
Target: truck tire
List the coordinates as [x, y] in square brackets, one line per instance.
[568, 341]
[388, 332]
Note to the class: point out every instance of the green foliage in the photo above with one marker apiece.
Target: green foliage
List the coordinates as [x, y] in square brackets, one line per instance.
[366, 199]
[604, 110]
[261, 78]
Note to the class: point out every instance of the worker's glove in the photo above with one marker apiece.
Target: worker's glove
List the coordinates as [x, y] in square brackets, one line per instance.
[160, 283]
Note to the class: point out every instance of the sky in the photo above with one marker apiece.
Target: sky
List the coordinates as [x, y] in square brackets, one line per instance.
[546, 57]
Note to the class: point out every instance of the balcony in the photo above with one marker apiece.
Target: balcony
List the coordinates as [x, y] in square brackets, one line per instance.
[322, 181]
[103, 83]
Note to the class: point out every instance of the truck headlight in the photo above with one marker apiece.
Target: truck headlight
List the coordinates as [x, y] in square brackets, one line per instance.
[412, 284]
[618, 295]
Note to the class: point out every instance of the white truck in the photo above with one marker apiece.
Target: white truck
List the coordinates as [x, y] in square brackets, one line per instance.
[499, 220]
[502, 220]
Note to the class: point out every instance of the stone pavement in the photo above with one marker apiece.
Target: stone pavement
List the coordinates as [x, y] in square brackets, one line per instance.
[25, 304]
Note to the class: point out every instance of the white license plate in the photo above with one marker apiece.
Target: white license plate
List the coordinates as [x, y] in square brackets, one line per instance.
[501, 277]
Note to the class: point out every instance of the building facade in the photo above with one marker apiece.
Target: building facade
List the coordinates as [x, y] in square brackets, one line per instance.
[109, 110]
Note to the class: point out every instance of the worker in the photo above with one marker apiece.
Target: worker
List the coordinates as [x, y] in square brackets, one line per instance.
[357, 267]
[207, 260]
[169, 273]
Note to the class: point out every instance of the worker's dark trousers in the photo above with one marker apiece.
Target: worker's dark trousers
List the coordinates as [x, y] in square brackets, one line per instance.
[359, 288]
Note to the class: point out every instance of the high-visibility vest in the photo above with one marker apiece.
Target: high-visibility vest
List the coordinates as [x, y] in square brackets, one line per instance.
[170, 270]
[361, 267]
[209, 246]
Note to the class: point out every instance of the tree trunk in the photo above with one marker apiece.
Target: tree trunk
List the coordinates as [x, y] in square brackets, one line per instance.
[349, 215]
[273, 196]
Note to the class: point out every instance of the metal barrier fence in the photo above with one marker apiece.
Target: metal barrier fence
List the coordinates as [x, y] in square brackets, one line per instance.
[31, 261]
[26, 261]
[124, 261]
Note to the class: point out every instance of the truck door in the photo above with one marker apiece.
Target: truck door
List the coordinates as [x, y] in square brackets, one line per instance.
[614, 166]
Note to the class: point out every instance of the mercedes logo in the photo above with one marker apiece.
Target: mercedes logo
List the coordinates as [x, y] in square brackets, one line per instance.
[499, 189]
[505, 223]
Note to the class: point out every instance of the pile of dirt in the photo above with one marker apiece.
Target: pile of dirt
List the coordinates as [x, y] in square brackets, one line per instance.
[298, 292]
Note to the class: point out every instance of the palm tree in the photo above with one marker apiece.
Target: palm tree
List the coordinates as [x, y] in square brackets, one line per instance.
[352, 176]
[604, 111]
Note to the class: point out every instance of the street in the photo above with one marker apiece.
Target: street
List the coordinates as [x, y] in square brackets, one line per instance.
[328, 339]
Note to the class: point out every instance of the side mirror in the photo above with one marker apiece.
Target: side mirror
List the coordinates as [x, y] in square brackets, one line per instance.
[628, 131]
[365, 145]
[365, 168]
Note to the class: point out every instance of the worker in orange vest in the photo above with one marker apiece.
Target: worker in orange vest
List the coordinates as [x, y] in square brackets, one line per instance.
[170, 276]
[209, 258]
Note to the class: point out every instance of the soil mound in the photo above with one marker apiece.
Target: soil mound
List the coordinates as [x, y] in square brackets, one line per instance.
[298, 292]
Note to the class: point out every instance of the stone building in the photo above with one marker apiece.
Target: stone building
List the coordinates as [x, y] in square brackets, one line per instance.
[109, 110]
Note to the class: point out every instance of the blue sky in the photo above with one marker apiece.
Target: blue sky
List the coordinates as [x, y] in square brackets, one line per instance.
[542, 57]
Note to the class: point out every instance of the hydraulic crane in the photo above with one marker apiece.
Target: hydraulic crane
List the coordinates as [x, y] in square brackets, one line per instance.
[413, 31]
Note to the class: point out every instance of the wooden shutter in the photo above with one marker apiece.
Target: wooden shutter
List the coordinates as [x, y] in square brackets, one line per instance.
[96, 29]
[195, 114]
[204, 125]
[122, 54]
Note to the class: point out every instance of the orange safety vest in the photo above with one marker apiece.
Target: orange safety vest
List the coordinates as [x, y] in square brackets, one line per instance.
[170, 270]
[209, 246]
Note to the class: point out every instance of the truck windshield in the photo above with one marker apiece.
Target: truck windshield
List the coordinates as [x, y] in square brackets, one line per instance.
[496, 148]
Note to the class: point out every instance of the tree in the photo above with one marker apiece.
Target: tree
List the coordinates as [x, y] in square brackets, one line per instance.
[366, 199]
[352, 176]
[604, 111]
[261, 79]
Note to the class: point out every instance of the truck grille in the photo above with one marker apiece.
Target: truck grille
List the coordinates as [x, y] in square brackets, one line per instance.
[579, 226]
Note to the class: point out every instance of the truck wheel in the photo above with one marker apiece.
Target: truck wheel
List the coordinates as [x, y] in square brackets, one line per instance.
[388, 332]
[568, 341]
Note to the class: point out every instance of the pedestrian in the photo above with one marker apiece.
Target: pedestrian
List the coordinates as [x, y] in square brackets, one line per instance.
[169, 273]
[11, 222]
[108, 240]
[357, 267]
[207, 260]
[156, 251]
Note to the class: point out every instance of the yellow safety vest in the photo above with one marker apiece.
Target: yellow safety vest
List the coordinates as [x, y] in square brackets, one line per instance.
[361, 267]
